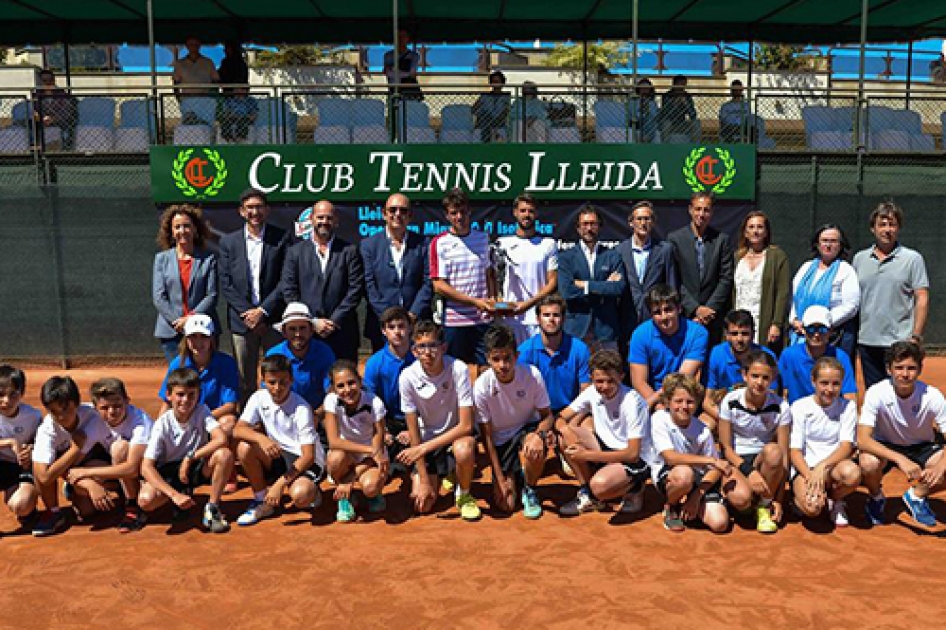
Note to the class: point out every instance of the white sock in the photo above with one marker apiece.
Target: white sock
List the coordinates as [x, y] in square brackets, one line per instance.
[261, 495]
[461, 491]
[765, 502]
[912, 494]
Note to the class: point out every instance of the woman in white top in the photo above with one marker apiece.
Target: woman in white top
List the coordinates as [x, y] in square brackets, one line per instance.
[762, 280]
[830, 281]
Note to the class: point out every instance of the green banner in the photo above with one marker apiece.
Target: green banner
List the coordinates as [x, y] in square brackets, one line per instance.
[487, 171]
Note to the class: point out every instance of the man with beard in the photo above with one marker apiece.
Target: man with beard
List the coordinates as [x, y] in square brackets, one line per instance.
[310, 358]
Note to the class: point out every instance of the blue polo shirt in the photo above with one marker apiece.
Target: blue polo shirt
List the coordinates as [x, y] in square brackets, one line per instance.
[309, 374]
[219, 381]
[564, 371]
[382, 371]
[724, 370]
[795, 368]
[665, 355]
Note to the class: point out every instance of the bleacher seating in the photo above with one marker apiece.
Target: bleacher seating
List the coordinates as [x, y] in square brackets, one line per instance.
[95, 131]
[136, 126]
[456, 125]
[612, 122]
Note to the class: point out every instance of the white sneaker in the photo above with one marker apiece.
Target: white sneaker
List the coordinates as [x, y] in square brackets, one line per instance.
[632, 502]
[839, 514]
[566, 467]
[257, 511]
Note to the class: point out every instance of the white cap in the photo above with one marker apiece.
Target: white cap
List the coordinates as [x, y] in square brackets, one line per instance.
[816, 315]
[199, 324]
[295, 312]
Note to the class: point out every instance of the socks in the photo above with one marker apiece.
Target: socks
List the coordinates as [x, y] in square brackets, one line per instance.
[260, 496]
[765, 502]
[459, 492]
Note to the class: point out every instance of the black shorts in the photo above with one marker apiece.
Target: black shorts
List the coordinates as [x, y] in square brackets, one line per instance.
[171, 473]
[441, 461]
[637, 472]
[394, 426]
[919, 454]
[508, 453]
[713, 495]
[747, 467]
[466, 343]
[12, 474]
[97, 454]
[281, 466]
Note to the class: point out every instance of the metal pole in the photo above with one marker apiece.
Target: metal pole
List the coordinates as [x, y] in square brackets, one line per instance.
[749, 92]
[152, 53]
[584, 73]
[65, 59]
[909, 71]
[394, 104]
[634, 33]
[862, 68]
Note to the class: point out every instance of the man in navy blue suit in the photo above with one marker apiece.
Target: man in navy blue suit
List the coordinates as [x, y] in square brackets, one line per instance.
[326, 274]
[591, 279]
[395, 261]
[250, 266]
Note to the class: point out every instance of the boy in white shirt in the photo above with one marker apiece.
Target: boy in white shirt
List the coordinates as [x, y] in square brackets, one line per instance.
[186, 447]
[822, 445]
[288, 455]
[685, 464]
[129, 430]
[437, 401]
[513, 411]
[18, 425]
[71, 435]
[896, 429]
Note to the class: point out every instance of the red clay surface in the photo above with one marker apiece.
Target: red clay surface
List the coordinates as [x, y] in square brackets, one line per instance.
[599, 570]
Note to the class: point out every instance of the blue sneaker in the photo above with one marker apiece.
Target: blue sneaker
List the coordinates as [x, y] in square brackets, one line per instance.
[874, 509]
[531, 505]
[919, 509]
[346, 511]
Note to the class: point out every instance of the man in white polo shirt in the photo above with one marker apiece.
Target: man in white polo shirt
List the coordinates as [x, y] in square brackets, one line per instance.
[194, 69]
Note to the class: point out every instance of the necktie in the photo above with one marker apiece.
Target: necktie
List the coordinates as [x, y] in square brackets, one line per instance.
[701, 255]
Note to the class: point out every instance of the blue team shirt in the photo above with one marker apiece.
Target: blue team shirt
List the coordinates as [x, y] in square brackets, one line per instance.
[219, 381]
[665, 355]
[795, 368]
[309, 374]
[563, 372]
[381, 378]
[725, 372]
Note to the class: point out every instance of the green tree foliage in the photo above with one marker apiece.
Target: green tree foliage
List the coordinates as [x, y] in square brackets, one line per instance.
[781, 57]
[604, 55]
[288, 56]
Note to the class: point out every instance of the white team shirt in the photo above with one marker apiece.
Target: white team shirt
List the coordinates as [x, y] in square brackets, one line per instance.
[695, 439]
[624, 417]
[172, 441]
[21, 427]
[290, 425]
[134, 429]
[510, 406]
[818, 431]
[358, 427]
[528, 261]
[903, 421]
[52, 440]
[436, 400]
[753, 430]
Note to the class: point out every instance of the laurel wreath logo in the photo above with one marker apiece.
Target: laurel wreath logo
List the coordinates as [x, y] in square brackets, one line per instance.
[220, 179]
[728, 176]
[689, 170]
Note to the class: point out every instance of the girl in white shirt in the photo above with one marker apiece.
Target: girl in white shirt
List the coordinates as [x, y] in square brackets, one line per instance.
[822, 445]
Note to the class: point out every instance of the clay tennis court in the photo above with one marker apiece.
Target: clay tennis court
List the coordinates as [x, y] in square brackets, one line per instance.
[599, 570]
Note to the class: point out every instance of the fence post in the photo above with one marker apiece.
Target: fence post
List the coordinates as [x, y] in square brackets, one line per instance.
[813, 206]
[52, 194]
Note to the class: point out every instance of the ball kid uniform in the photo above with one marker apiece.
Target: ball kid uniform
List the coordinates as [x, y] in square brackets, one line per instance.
[818, 431]
[171, 441]
[436, 400]
[290, 425]
[22, 427]
[134, 429]
[511, 408]
[52, 440]
[694, 439]
[905, 425]
[357, 427]
[752, 429]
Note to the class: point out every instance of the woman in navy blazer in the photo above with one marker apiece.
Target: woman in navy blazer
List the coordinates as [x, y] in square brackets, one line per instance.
[185, 275]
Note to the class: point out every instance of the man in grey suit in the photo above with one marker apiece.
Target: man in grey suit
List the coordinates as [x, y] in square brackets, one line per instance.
[326, 274]
[647, 263]
[704, 258]
[250, 267]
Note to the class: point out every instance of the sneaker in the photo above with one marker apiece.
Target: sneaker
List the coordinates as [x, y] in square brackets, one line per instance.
[632, 502]
[919, 509]
[28, 521]
[672, 520]
[49, 523]
[469, 510]
[214, 520]
[566, 467]
[874, 509]
[377, 504]
[134, 521]
[838, 512]
[255, 512]
[581, 503]
[763, 520]
[449, 482]
[531, 505]
[346, 511]
[317, 501]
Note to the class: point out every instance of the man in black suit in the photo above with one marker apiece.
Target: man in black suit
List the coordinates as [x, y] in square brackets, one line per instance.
[395, 261]
[648, 262]
[327, 275]
[250, 266]
[704, 259]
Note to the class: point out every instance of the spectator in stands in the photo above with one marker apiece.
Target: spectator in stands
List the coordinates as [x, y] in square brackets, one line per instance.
[797, 361]
[734, 115]
[830, 281]
[677, 111]
[705, 262]
[184, 281]
[236, 113]
[491, 109]
[762, 283]
[396, 263]
[645, 112]
[250, 265]
[402, 72]
[895, 295]
[193, 69]
[326, 274]
[938, 69]
[529, 116]
[55, 109]
[233, 69]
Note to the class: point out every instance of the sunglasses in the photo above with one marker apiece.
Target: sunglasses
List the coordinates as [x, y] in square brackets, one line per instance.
[817, 329]
[398, 209]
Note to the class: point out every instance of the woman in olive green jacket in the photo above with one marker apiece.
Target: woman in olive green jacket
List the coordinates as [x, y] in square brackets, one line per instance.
[762, 280]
